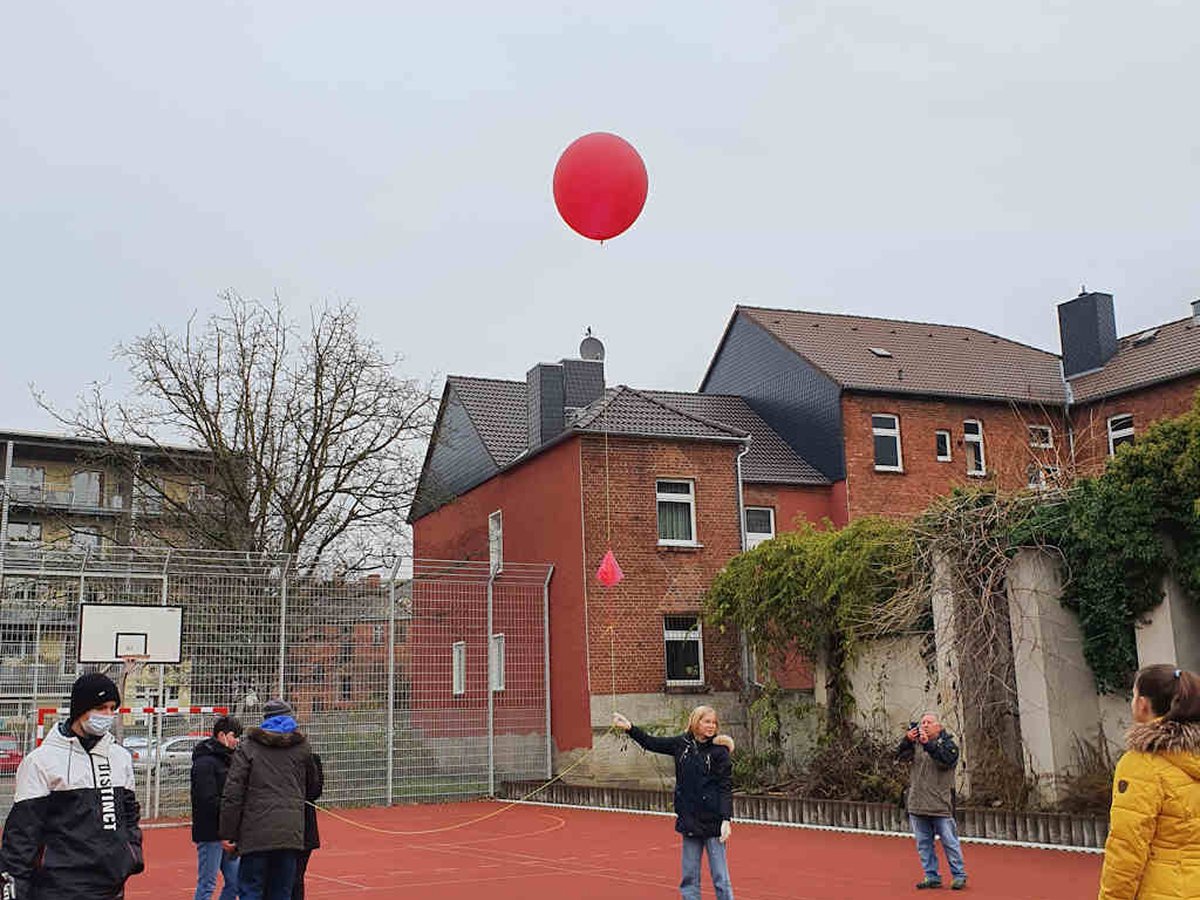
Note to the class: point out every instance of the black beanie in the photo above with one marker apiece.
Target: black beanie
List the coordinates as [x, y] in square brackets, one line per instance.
[90, 691]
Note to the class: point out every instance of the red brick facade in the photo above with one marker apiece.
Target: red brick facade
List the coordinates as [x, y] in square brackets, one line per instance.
[1160, 401]
[658, 580]
[1008, 452]
[794, 503]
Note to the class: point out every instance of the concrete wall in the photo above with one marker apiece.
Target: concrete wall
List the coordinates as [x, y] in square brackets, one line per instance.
[1171, 633]
[892, 685]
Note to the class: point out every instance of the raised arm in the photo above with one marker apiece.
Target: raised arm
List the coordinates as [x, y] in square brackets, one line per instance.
[668, 746]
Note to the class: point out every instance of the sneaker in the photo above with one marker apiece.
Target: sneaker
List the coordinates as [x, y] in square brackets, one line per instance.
[928, 884]
[958, 884]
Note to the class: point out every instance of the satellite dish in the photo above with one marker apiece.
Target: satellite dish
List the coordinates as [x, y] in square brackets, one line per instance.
[591, 348]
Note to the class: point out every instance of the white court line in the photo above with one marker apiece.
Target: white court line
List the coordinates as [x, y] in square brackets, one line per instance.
[993, 842]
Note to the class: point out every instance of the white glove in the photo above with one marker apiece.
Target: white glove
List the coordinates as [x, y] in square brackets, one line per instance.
[726, 828]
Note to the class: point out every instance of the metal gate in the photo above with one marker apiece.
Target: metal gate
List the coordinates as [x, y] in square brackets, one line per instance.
[430, 682]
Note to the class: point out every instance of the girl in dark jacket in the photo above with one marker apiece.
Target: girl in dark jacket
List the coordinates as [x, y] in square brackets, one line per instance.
[703, 795]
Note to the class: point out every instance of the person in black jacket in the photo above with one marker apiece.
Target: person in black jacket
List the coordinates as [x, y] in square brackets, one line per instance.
[703, 795]
[210, 766]
[262, 809]
[312, 835]
[73, 832]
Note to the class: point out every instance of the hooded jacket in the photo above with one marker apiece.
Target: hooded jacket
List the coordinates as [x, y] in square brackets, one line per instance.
[703, 781]
[210, 766]
[1153, 846]
[72, 832]
[270, 775]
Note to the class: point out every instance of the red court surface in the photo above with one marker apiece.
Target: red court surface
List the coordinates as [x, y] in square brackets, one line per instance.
[535, 852]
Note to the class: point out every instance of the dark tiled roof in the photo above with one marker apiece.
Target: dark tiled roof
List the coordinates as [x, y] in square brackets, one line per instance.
[626, 411]
[933, 360]
[1172, 352]
[497, 410]
[771, 459]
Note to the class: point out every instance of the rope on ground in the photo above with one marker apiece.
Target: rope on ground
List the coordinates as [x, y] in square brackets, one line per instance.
[505, 808]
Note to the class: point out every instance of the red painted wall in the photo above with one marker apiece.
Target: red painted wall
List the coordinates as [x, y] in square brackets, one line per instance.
[542, 515]
[794, 503]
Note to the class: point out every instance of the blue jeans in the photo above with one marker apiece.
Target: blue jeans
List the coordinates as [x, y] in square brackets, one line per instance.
[268, 875]
[210, 859]
[925, 827]
[693, 849]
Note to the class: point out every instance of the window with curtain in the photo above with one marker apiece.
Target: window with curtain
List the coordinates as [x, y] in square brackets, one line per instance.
[676, 512]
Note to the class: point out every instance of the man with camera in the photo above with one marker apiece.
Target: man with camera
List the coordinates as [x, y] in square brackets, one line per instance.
[934, 756]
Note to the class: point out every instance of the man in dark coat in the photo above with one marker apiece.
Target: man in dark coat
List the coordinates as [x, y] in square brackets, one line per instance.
[312, 835]
[262, 811]
[210, 766]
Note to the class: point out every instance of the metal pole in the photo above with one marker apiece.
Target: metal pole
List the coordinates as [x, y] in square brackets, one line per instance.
[162, 689]
[391, 685]
[491, 696]
[283, 597]
[546, 669]
[37, 654]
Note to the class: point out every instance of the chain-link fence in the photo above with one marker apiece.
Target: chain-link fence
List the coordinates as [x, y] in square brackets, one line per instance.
[428, 683]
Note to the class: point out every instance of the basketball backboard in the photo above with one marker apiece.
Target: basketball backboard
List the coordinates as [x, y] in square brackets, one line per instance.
[109, 633]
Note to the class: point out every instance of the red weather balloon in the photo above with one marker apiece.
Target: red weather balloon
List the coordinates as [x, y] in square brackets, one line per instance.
[600, 185]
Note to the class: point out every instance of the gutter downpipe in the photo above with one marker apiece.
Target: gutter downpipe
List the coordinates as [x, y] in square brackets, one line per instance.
[546, 668]
[747, 675]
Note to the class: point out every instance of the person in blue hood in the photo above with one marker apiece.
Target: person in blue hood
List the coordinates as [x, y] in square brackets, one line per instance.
[262, 810]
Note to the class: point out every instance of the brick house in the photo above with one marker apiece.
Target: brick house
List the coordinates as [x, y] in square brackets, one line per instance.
[560, 468]
[1119, 385]
[895, 413]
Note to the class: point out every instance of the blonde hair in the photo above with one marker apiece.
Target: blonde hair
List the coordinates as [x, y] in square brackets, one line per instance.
[699, 713]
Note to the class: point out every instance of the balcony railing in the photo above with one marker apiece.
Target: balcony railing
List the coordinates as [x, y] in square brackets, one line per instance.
[64, 497]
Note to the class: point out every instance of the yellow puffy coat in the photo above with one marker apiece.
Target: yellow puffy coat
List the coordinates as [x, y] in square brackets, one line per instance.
[1153, 847]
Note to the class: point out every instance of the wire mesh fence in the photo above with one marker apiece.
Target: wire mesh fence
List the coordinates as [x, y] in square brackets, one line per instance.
[424, 684]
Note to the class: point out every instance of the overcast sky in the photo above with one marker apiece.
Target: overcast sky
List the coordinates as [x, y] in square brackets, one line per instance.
[947, 161]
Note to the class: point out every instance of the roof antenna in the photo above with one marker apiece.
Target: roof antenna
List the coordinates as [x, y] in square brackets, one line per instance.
[1082, 289]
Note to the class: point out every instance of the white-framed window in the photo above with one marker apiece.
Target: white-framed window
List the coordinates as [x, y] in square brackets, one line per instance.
[1120, 431]
[1041, 437]
[458, 668]
[885, 428]
[148, 494]
[1043, 478]
[676, 512]
[496, 542]
[88, 538]
[496, 663]
[683, 643]
[760, 525]
[942, 447]
[973, 440]
[24, 531]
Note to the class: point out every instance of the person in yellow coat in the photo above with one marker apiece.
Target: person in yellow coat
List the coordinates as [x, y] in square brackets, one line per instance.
[1153, 847]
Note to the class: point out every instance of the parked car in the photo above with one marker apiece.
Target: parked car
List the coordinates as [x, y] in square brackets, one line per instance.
[176, 753]
[10, 754]
[141, 748]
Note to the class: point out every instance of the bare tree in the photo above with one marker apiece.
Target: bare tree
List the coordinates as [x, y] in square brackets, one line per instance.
[248, 433]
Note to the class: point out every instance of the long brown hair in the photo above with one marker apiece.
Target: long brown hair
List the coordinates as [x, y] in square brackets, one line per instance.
[1174, 694]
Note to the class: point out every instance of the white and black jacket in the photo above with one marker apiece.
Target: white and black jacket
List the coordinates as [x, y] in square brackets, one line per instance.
[73, 829]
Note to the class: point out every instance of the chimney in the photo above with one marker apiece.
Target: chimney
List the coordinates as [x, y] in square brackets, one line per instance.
[1087, 327]
[1196, 310]
[544, 403]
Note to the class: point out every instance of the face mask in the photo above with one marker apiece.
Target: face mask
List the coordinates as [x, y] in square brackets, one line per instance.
[98, 724]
